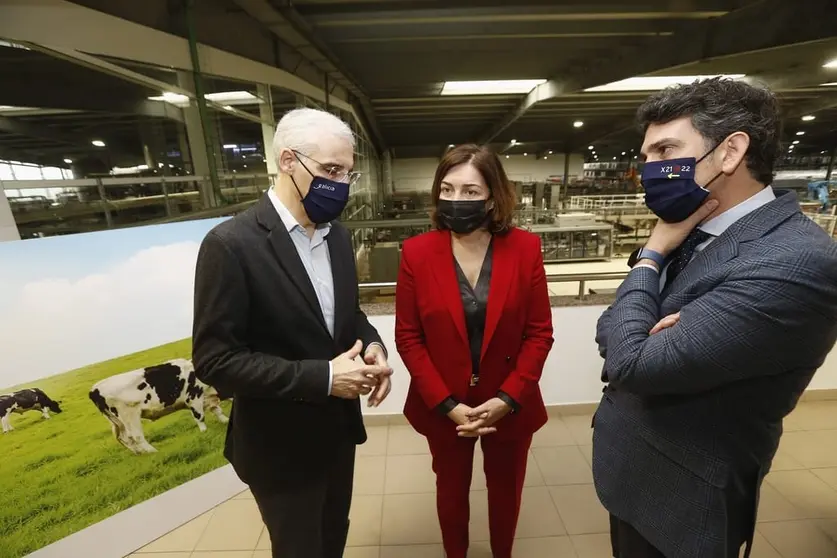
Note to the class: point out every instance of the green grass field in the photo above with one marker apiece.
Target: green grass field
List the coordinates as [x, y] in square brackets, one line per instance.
[61, 475]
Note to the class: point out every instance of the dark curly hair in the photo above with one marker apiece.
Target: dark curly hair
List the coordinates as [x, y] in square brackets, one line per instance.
[719, 107]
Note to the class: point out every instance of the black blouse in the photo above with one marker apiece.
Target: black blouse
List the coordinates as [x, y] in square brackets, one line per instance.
[475, 303]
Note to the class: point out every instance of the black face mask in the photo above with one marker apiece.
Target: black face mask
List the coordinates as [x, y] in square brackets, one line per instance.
[462, 217]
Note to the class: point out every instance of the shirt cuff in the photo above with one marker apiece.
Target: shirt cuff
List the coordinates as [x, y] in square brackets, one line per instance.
[648, 265]
[447, 405]
[508, 400]
[330, 376]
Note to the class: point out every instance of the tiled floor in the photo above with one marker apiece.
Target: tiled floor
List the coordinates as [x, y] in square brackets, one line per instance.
[393, 514]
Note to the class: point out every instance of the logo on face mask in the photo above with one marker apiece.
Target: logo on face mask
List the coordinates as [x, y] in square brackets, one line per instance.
[321, 186]
[670, 188]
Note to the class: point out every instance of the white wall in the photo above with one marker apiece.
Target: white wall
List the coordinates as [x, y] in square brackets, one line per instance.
[416, 175]
[573, 368]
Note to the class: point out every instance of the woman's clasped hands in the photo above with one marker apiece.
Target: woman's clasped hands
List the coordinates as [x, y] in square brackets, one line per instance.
[478, 421]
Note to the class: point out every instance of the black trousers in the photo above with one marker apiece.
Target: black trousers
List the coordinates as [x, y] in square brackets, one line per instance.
[308, 516]
[628, 543]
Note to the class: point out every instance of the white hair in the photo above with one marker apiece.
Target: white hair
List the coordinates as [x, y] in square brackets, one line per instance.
[300, 129]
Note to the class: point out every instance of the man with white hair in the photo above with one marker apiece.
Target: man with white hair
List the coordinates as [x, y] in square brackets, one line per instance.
[278, 324]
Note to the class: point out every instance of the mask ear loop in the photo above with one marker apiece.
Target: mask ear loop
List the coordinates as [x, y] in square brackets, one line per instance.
[705, 187]
[298, 191]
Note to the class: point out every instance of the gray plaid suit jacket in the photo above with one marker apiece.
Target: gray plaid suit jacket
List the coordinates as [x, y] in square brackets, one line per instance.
[691, 417]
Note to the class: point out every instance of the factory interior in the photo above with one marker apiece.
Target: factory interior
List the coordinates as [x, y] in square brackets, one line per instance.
[119, 114]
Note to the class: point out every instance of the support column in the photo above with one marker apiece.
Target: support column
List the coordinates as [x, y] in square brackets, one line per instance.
[830, 170]
[8, 227]
[268, 130]
[386, 168]
[201, 147]
[537, 202]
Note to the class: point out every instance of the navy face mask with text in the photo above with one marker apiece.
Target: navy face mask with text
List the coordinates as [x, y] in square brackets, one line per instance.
[670, 188]
[326, 199]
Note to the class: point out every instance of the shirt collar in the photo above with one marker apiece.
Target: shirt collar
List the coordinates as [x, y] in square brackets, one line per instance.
[287, 217]
[718, 224]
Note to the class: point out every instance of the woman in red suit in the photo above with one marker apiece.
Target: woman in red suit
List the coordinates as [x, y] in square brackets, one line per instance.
[473, 325]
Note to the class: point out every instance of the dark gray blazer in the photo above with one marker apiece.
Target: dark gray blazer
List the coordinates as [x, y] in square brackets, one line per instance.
[259, 333]
[691, 417]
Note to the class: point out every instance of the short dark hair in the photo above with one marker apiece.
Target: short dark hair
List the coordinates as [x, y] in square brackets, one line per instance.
[500, 189]
[718, 108]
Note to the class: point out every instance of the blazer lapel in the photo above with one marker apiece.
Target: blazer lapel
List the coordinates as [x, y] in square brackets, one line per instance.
[445, 275]
[503, 269]
[288, 257]
[343, 276]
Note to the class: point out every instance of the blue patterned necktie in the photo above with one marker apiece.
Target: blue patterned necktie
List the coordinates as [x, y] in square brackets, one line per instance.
[681, 257]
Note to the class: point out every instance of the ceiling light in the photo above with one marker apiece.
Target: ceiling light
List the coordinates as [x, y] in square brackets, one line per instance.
[490, 87]
[800, 133]
[795, 142]
[655, 83]
[623, 153]
[808, 118]
[68, 161]
[545, 157]
[590, 147]
[228, 107]
[514, 141]
[614, 158]
[230, 146]
[831, 65]
[507, 156]
[578, 124]
[822, 152]
[831, 84]
[525, 154]
[227, 98]
[634, 156]
[98, 143]
[450, 146]
[550, 152]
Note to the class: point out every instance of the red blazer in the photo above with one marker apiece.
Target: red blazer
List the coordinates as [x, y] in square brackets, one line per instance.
[432, 339]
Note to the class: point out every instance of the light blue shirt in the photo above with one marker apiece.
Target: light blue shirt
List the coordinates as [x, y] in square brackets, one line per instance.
[315, 257]
[720, 223]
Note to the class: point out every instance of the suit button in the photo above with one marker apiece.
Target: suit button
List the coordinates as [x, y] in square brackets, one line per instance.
[508, 359]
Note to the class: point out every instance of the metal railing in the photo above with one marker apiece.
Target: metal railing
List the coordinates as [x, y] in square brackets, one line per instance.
[581, 278]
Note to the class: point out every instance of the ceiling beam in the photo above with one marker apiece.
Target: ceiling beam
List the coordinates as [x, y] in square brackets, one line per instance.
[290, 27]
[114, 70]
[442, 11]
[470, 31]
[761, 26]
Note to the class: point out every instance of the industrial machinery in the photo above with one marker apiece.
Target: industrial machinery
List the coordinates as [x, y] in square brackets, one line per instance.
[575, 237]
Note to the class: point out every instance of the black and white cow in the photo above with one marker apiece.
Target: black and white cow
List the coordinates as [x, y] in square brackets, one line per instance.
[152, 393]
[25, 400]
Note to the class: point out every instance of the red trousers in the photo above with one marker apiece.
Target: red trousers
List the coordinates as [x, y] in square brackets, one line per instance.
[505, 470]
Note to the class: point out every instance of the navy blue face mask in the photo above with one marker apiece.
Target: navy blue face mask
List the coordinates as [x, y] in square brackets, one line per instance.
[326, 199]
[670, 188]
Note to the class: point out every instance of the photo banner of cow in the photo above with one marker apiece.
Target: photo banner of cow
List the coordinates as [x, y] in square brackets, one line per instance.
[99, 403]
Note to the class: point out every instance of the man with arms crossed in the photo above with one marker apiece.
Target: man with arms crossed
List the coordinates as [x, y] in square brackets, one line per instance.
[729, 310]
[276, 303]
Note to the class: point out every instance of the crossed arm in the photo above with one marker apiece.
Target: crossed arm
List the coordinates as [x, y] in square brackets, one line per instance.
[763, 322]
